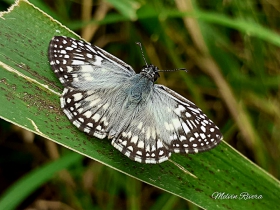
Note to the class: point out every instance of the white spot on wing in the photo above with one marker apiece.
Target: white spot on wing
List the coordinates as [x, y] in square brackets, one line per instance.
[185, 127]
[96, 117]
[97, 61]
[90, 125]
[139, 152]
[76, 123]
[77, 62]
[89, 55]
[86, 68]
[202, 135]
[77, 96]
[68, 48]
[88, 114]
[176, 123]
[86, 130]
[159, 144]
[134, 139]
[182, 138]
[129, 134]
[69, 68]
[179, 110]
[141, 144]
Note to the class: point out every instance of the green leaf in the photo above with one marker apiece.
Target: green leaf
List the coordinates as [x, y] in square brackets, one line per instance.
[126, 7]
[29, 95]
[26, 185]
[250, 28]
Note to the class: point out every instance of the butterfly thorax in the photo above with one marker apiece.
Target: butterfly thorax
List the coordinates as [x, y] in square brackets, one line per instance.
[139, 89]
[151, 72]
[136, 92]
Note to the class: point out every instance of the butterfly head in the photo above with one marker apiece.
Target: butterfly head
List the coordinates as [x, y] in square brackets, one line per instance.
[151, 72]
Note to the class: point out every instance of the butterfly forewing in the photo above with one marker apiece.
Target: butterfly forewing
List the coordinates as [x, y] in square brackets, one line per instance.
[99, 98]
[85, 72]
[80, 65]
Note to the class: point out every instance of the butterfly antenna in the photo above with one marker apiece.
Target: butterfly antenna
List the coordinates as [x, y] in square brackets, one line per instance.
[140, 45]
[142, 52]
[180, 69]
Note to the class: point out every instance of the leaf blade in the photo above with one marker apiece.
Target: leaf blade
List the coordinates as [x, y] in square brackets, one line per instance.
[29, 90]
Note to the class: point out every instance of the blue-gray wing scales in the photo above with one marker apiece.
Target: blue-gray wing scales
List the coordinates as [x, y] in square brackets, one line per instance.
[92, 78]
[167, 123]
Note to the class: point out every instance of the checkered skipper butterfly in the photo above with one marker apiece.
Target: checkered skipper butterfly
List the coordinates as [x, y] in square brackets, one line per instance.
[104, 97]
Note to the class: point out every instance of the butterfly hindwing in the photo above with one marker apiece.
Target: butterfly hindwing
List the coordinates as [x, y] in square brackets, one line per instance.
[171, 123]
[189, 129]
[141, 140]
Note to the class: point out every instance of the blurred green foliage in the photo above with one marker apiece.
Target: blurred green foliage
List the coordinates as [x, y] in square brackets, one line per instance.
[233, 75]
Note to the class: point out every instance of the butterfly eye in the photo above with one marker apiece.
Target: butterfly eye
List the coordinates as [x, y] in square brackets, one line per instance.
[156, 76]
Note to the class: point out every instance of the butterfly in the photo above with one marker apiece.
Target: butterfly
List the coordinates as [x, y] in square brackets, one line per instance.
[104, 97]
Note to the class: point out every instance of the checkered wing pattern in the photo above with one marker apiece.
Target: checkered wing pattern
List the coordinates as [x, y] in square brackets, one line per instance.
[171, 123]
[92, 79]
[103, 97]
[77, 64]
